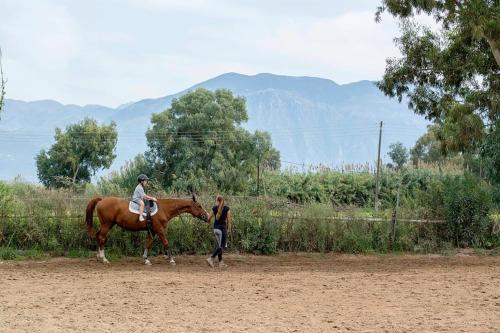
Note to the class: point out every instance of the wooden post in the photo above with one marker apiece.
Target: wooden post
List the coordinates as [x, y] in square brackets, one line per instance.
[391, 229]
[378, 168]
[395, 219]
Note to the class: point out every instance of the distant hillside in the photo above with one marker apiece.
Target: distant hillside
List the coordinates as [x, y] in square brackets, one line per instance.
[311, 120]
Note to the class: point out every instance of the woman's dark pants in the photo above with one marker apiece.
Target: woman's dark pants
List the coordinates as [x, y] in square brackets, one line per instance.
[220, 237]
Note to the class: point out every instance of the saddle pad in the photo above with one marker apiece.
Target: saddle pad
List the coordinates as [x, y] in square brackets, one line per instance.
[134, 208]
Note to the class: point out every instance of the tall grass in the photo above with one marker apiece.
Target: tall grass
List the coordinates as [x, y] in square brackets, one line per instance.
[321, 212]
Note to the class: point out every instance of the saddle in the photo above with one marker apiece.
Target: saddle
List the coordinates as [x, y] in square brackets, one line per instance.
[151, 207]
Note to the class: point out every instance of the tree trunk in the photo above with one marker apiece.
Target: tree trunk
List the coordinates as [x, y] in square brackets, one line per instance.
[76, 173]
[495, 48]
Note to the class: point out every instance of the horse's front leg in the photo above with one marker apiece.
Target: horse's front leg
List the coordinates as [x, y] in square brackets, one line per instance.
[147, 247]
[166, 250]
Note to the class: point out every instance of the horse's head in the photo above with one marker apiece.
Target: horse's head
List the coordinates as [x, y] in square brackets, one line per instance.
[197, 210]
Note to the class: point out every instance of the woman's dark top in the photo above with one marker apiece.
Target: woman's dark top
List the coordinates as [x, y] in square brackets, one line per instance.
[221, 222]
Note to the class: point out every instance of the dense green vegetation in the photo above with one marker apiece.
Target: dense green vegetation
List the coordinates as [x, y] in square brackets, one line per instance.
[313, 211]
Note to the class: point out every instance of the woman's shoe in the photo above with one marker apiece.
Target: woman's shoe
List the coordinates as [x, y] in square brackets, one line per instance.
[210, 261]
[222, 264]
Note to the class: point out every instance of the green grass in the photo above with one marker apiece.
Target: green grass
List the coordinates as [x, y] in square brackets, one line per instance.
[80, 253]
[9, 253]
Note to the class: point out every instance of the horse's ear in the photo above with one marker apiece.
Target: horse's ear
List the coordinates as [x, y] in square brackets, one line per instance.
[194, 197]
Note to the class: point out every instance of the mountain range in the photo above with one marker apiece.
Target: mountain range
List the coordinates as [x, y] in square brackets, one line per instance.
[311, 120]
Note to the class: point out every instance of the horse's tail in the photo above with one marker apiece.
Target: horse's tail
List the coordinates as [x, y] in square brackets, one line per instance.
[89, 216]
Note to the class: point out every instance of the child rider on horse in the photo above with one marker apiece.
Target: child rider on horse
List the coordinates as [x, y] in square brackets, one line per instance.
[140, 195]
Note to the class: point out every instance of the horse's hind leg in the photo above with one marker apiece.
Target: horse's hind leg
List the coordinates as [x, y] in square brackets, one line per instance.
[166, 250]
[102, 237]
[147, 246]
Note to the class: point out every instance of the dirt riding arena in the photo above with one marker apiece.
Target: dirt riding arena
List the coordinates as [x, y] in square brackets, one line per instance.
[286, 293]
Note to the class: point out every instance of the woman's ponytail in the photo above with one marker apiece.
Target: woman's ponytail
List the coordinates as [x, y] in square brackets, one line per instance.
[220, 207]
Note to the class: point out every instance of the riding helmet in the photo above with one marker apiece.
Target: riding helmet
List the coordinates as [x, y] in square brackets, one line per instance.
[142, 177]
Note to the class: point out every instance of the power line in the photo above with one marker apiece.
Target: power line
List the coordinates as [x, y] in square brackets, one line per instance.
[211, 138]
[186, 134]
[201, 133]
[275, 129]
[205, 140]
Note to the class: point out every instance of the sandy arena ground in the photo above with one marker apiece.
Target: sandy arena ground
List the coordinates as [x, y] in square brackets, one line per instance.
[286, 293]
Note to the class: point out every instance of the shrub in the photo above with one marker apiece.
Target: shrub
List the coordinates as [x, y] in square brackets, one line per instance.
[467, 203]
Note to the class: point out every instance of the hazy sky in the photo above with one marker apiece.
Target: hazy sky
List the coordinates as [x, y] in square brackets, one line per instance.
[114, 51]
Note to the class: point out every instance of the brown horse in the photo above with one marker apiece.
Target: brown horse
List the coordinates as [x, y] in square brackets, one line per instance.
[112, 210]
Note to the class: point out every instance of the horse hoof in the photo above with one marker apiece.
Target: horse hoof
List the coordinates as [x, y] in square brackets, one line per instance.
[147, 262]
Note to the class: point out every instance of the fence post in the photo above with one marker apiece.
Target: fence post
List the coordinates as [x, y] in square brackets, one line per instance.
[394, 220]
[391, 229]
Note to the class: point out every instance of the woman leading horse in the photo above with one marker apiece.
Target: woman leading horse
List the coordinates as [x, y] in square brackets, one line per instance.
[112, 210]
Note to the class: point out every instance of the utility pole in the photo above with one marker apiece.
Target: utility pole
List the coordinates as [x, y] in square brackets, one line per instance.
[258, 175]
[377, 184]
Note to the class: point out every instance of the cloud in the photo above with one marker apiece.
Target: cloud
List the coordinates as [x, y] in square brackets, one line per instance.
[349, 46]
[41, 34]
[114, 52]
[40, 41]
[171, 4]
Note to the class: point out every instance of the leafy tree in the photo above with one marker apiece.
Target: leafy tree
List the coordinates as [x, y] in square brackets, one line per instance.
[476, 19]
[78, 152]
[451, 75]
[264, 151]
[398, 154]
[428, 147]
[198, 143]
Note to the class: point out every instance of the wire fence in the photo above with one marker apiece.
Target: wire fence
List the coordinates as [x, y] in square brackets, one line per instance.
[344, 219]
